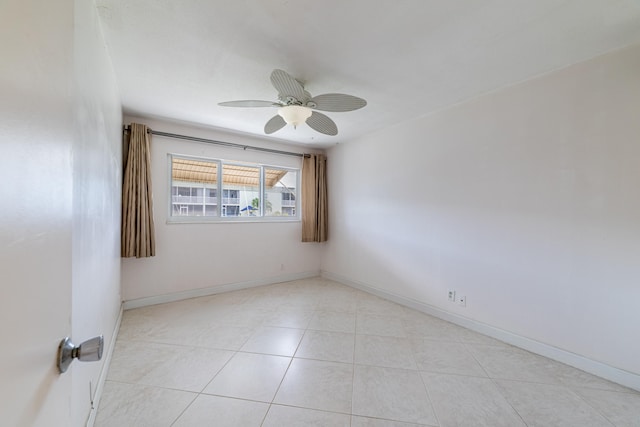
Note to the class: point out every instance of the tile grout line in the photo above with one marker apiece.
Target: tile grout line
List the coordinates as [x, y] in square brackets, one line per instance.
[206, 385]
[353, 361]
[495, 384]
[579, 396]
[185, 409]
[419, 371]
[433, 408]
[201, 392]
[299, 295]
[283, 376]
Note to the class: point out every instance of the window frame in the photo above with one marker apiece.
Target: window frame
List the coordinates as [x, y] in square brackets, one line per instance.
[184, 219]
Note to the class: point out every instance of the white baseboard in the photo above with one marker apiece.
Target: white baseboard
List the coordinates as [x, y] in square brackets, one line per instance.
[619, 376]
[103, 372]
[201, 292]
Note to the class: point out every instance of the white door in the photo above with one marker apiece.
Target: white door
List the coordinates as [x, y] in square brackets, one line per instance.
[36, 43]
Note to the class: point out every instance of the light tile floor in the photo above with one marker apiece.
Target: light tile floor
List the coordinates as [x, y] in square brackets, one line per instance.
[317, 353]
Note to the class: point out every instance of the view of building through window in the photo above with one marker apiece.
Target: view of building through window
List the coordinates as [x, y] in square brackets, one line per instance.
[281, 197]
[247, 190]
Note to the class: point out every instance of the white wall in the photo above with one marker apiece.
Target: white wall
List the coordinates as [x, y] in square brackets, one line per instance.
[196, 256]
[60, 173]
[525, 200]
[97, 181]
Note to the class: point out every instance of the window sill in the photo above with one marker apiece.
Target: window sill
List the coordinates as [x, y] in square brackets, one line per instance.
[228, 220]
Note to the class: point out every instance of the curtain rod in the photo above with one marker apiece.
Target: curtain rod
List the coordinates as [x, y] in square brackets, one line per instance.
[216, 142]
[224, 143]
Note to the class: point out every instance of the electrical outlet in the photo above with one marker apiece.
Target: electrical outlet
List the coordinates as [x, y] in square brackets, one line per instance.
[452, 296]
[462, 301]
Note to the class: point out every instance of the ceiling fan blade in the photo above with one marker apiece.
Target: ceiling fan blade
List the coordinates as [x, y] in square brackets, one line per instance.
[337, 102]
[274, 124]
[287, 86]
[322, 124]
[248, 103]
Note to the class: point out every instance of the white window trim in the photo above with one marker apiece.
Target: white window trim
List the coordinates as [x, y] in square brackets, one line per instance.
[219, 219]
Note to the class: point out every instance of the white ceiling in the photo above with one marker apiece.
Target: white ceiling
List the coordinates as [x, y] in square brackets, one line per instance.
[407, 58]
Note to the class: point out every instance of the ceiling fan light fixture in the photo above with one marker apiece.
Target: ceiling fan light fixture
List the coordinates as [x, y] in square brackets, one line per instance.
[295, 114]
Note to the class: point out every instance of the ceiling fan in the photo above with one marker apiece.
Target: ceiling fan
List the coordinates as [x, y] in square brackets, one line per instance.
[296, 105]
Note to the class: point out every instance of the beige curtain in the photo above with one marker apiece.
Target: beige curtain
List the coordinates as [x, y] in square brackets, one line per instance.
[314, 198]
[138, 235]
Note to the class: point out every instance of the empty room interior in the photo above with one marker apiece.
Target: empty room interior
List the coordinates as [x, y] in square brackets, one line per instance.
[320, 213]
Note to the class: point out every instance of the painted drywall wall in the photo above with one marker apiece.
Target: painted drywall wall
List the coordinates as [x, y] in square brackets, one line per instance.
[97, 178]
[525, 200]
[60, 169]
[197, 256]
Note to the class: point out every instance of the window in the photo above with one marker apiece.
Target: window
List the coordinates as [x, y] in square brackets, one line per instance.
[281, 195]
[240, 190]
[248, 191]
